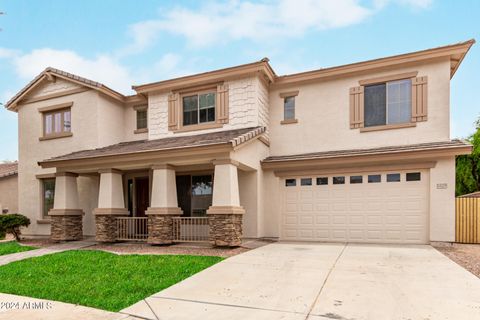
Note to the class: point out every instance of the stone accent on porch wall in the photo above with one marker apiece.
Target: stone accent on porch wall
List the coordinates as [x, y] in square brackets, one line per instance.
[226, 226]
[226, 214]
[106, 223]
[66, 225]
[160, 224]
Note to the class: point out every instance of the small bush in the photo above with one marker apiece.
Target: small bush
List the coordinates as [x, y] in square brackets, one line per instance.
[11, 223]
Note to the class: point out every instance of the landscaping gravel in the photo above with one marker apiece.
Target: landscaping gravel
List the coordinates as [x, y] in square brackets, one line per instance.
[466, 255]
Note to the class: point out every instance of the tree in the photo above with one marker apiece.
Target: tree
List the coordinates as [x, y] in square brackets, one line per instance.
[468, 166]
[11, 223]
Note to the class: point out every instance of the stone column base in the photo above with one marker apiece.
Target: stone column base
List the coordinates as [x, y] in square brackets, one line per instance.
[106, 223]
[160, 224]
[226, 224]
[66, 224]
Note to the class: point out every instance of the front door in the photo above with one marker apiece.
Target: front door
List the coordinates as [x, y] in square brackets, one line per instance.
[141, 196]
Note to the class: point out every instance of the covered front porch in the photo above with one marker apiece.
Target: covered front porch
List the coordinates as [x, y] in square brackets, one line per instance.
[161, 195]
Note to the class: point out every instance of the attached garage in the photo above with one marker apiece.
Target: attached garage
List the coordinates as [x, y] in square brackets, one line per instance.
[374, 207]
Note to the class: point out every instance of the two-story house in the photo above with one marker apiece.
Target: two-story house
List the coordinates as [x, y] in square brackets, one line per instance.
[358, 153]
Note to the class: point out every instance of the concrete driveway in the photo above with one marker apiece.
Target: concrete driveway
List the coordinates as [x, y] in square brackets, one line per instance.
[323, 281]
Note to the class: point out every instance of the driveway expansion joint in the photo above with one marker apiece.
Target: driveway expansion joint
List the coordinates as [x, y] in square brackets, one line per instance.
[325, 281]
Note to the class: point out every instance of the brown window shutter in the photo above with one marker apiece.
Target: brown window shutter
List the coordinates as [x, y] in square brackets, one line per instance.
[173, 111]
[419, 99]
[222, 103]
[356, 107]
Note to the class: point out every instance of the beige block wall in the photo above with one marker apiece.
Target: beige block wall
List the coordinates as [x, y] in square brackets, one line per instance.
[251, 186]
[96, 121]
[442, 200]
[130, 124]
[248, 107]
[9, 194]
[322, 110]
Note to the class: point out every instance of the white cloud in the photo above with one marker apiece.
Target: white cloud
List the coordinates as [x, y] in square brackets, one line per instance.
[102, 68]
[217, 22]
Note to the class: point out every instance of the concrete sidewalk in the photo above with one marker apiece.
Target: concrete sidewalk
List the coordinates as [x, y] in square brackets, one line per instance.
[74, 245]
[18, 307]
[323, 281]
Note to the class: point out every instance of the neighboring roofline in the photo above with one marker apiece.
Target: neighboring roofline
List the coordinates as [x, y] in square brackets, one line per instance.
[365, 155]
[261, 66]
[50, 74]
[475, 194]
[458, 50]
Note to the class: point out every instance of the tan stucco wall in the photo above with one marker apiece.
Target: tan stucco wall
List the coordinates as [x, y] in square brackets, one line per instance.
[96, 121]
[442, 200]
[322, 110]
[9, 194]
[251, 186]
[130, 124]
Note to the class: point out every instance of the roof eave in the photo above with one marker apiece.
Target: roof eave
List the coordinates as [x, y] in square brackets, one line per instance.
[428, 153]
[209, 77]
[363, 66]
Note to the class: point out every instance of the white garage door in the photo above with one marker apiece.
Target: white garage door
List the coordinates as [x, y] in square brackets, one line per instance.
[376, 207]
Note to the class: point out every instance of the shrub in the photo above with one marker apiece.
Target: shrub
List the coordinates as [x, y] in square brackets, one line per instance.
[11, 223]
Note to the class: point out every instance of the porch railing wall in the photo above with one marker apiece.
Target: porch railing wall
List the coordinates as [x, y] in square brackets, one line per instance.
[190, 229]
[132, 228]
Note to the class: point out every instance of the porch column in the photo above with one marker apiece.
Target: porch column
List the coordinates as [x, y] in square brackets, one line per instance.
[111, 204]
[164, 205]
[66, 215]
[225, 214]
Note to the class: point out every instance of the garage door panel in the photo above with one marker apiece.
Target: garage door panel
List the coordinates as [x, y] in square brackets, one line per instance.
[395, 212]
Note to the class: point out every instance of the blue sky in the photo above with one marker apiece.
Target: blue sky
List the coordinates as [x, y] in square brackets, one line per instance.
[127, 42]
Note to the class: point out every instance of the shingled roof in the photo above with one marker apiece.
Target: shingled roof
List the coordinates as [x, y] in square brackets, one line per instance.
[48, 72]
[8, 169]
[371, 151]
[233, 137]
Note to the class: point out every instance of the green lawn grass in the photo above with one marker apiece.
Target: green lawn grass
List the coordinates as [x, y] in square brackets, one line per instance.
[98, 279]
[12, 247]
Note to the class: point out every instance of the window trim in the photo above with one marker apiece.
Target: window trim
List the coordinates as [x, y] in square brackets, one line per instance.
[387, 126]
[42, 196]
[383, 79]
[198, 126]
[137, 109]
[51, 110]
[283, 96]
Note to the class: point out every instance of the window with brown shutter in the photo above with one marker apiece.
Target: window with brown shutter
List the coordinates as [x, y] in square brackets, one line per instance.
[173, 108]
[356, 107]
[419, 99]
[222, 103]
[204, 108]
[388, 102]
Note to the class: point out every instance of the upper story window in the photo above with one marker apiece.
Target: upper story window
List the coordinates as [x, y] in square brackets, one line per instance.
[205, 108]
[142, 122]
[388, 103]
[289, 107]
[198, 108]
[57, 121]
